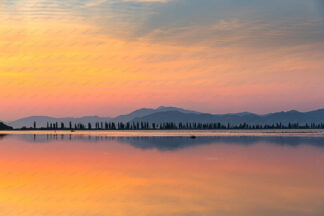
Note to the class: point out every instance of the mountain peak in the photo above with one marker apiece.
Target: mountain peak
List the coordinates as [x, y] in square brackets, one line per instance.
[174, 114]
[166, 107]
[293, 111]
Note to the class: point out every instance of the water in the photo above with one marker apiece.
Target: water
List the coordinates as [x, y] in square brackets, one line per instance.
[97, 175]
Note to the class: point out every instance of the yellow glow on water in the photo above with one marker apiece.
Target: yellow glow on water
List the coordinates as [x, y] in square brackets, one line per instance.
[114, 178]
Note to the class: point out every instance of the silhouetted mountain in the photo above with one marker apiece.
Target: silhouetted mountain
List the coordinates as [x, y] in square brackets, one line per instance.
[177, 115]
[240, 118]
[136, 114]
[165, 109]
[145, 112]
[5, 127]
[42, 120]
[294, 116]
[241, 114]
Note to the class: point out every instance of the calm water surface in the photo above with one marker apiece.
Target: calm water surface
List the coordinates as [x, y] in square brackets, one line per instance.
[81, 175]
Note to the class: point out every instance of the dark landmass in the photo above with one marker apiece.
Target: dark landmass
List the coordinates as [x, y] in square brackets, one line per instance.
[43, 120]
[236, 119]
[5, 127]
[177, 118]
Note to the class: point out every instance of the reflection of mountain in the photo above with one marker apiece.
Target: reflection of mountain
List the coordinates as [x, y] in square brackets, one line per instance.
[176, 115]
[2, 136]
[174, 143]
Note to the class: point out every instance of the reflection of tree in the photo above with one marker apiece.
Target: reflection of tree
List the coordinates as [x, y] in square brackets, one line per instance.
[174, 143]
[2, 136]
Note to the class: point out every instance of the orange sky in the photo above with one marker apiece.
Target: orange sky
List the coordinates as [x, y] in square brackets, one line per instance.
[72, 61]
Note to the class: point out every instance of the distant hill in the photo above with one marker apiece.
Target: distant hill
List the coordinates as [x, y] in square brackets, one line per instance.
[145, 112]
[43, 120]
[5, 127]
[239, 118]
[176, 115]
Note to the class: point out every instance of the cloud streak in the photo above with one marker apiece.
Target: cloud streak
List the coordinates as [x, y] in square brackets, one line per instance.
[113, 56]
[320, 4]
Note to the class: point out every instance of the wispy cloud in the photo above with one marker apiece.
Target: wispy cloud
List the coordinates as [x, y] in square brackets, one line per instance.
[95, 3]
[92, 3]
[321, 7]
[224, 54]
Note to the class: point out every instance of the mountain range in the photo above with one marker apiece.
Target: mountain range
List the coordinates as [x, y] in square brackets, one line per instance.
[176, 115]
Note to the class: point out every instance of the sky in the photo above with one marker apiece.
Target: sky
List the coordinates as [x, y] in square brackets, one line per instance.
[109, 57]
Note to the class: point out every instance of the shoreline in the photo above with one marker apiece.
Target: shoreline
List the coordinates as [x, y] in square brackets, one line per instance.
[173, 133]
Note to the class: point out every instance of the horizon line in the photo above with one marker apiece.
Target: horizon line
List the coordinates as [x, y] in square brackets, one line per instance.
[112, 117]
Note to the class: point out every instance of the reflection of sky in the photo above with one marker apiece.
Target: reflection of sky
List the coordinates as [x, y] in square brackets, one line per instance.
[95, 176]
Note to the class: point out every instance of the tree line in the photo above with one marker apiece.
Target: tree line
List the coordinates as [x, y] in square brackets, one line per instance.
[169, 126]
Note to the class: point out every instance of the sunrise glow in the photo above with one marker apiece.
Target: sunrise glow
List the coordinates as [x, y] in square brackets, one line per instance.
[110, 57]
